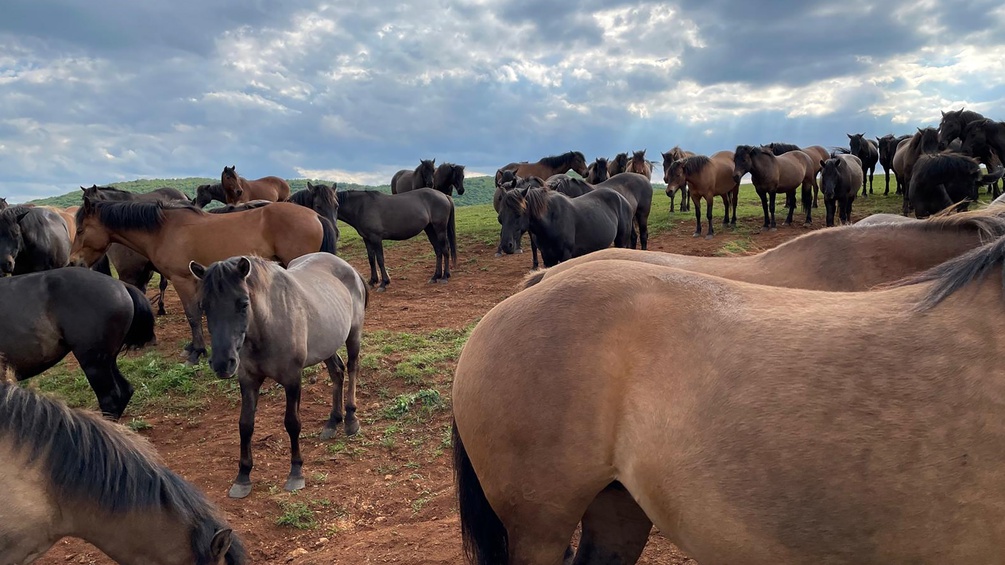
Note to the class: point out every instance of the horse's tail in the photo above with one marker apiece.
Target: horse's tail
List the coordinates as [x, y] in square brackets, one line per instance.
[141, 330]
[329, 238]
[533, 278]
[452, 235]
[485, 538]
[366, 290]
[807, 193]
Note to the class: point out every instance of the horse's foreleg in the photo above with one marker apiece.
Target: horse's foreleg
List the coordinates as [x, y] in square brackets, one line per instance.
[871, 172]
[771, 202]
[708, 215]
[295, 481]
[887, 173]
[764, 205]
[249, 403]
[336, 370]
[186, 289]
[697, 218]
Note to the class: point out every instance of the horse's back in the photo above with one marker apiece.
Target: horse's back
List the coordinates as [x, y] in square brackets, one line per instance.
[334, 299]
[401, 181]
[46, 238]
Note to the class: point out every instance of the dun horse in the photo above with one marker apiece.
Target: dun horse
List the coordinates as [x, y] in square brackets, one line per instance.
[173, 236]
[868, 154]
[676, 154]
[770, 175]
[45, 316]
[547, 166]
[707, 178]
[747, 464]
[239, 189]
[816, 152]
[267, 322]
[69, 473]
[887, 149]
[422, 177]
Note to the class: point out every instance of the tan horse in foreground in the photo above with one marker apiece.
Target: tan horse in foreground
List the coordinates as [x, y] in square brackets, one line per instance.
[848, 258]
[587, 399]
[239, 190]
[171, 237]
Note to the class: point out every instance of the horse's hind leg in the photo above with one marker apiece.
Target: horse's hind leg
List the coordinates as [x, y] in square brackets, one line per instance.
[352, 347]
[708, 215]
[336, 370]
[295, 481]
[615, 529]
[371, 256]
[764, 205]
[160, 296]
[643, 221]
[438, 249]
[99, 368]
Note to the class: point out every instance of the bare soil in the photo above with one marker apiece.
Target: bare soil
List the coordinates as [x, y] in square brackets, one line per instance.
[373, 501]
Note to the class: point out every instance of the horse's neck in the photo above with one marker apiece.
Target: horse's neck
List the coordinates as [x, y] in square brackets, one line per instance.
[272, 300]
[143, 242]
[149, 535]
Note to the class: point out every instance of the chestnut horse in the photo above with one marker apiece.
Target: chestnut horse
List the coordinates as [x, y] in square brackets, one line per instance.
[676, 154]
[172, 236]
[69, 473]
[707, 178]
[771, 175]
[239, 189]
[547, 166]
[584, 400]
[822, 260]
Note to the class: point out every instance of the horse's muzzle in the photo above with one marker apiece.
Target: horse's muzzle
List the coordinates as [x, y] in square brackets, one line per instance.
[225, 369]
[7, 266]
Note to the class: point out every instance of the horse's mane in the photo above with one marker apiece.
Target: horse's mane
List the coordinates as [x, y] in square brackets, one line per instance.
[559, 160]
[782, 148]
[537, 203]
[303, 198]
[240, 207]
[955, 164]
[216, 279]
[693, 165]
[132, 215]
[86, 457]
[916, 139]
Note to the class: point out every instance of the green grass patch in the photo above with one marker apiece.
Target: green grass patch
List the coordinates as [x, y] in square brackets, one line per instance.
[296, 515]
[419, 404]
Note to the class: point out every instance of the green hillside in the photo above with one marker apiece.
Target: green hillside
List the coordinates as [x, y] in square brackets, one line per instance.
[477, 190]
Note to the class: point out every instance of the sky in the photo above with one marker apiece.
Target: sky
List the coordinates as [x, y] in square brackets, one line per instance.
[100, 92]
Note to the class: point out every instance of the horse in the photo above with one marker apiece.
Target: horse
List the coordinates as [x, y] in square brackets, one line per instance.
[45, 316]
[322, 199]
[597, 171]
[245, 206]
[206, 193]
[942, 179]
[707, 178]
[267, 322]
[953, 123]
[566, 227]
[548, 166]
[422, 177]
[69, 473]
[130, 266]
[618, 165]
[771, 175]
[880, 250]
[32, 239]
[887, 149]
[378, 216]
[839, 180]
[676, 154]
[239, 189]
[817, 153]
[924, 141]
[172, 235]
[862, 456]
[510, 181]
[638, 164]
[448, 178]
[867, 153]
[984, 139]
[636, 189]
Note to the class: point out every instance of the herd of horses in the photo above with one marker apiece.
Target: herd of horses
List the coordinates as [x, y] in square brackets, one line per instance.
[733, 460]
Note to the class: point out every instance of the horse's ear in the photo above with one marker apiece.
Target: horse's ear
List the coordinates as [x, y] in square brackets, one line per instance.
[523, 191]
[244, 267]
[84, 189]
[220, 545]
[919, 130]
[310, 186]
[20, 215]
[849, 135]
[197, 270]
[822, 163]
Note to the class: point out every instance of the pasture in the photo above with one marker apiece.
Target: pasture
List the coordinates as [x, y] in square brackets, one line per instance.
[385, 495]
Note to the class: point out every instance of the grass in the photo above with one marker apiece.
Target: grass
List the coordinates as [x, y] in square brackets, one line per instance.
[296, 515]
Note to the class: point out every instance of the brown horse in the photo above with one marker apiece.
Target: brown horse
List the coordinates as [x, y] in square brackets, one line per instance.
[676, 154]
[239, 189]
[842, 259]
[547, 166]
[584, 399]
[69, 473]
[707, 178]
[597, 171]
[817, 153]
[172, 236]
[618, 165]
[639, 165]
[924, 141]
[771, 175]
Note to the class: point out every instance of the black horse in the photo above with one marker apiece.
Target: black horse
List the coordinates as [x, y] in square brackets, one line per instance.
[597, 171]
[422, 177]
[981, 137]
[951, 130]
[44, 316]
[449, 177]
[322, 199]
[634, 187]
[130, 266]
[618, 164]
[839, 179]
[565, 227]
[32, 239]
[887, 146]
[378, 216]
[868, 154]
[207, 193]
[940, 180]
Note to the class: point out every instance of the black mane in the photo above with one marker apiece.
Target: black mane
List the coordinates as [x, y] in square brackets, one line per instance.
[559, 160]
[782, 148]
[694, 165]
[86, 457]
[130, 215]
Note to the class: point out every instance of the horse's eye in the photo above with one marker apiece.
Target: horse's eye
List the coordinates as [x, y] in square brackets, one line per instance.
[242, 305]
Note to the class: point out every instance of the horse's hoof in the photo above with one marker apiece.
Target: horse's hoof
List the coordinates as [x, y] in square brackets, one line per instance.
[352, 427]
[773, 229]
[519, 250]
[709, 236]
[381, 289]
[328, 433]
[434, 280]
[238, 490]
[161, 312]
[696, 234]
[498, 254]
[443, 281]
[294, 484]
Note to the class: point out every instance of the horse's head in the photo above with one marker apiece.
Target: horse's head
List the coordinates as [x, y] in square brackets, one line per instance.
[3, 204]
[225, 297]
[619, 164]
[929, 141]
[514, 219]
[598, 171]
[231, 183]
[425, 171]
[93, 193]
[674, 177]
[203, 195]
[92, 238]
[743, 160]
[10, 238]
[975, 140]
[578, 164]
[855, 142]
[324, 200]
[449, 177]
[830, 176]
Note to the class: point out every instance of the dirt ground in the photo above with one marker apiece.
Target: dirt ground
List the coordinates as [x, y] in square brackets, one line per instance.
[373, 502]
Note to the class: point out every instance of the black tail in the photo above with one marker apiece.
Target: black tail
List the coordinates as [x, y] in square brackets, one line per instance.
[329, 241]
[141, 330]
[485, 539]
[366, 291]
[452, 236]
[993, 176]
